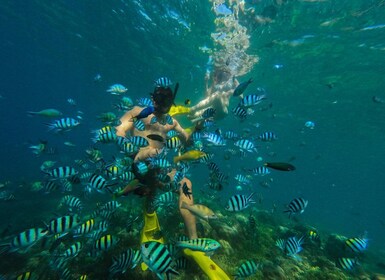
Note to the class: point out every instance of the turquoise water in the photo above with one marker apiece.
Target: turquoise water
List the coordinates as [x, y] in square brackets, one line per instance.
[318, 60]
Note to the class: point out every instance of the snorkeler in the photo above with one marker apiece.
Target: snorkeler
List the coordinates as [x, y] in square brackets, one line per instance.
[163, 99]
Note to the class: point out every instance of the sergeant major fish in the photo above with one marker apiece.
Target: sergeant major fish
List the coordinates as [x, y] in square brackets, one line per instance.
[64, 124]
[239, 202]
[156, 256]
[297, 205]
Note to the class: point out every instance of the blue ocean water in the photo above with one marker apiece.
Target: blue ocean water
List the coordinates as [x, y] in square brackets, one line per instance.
[317, 62]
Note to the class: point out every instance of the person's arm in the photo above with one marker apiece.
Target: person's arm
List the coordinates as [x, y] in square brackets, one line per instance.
[126, 122]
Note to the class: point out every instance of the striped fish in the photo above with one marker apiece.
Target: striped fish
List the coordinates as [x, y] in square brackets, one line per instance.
[208, 113]
[72, 202]
[268, 136]
[63, 124]
[346, 263]
[169, 120]
[73, 250]
[163, 82]
[206, 158]
[129, 148]
[127, 176]
[240, 112]
[280, 243]
[65, 274]
[213, 167]
[179, 175]
[219, 176]
[242, 179]
[356, 244]
[98, 183]
[127, 260]
[138, 141]
[245, 145]
[173, 133]
[246, 269]
[26, 276]
[173, 142]
[251, 100]
[239, 202]
[113, 171]
[62, 172]
[260, 170]
[111, 206]
[314, 236]
[105, 138]
[85, 175]
[207, 123]
[145, 102]
[25, 239]
[293, 247]
[50, 186]
[159, 162]
[116, 89]
[297, 205]
[196, 136]
[165, 199]
[104, 130]
[214, 139]
[230, 134]
[105, 242]
[127, 101]
[85, 228]
[156, 256]
[103, 225]
[63, 225]
[140, 168]
[139, 125]
[206, 245]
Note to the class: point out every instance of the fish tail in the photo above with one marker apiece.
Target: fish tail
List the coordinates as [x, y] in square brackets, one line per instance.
[50, 126]
[30, 113]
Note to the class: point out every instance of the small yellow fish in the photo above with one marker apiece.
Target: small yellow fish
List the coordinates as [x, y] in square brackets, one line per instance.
[200, 210]
[189, 155]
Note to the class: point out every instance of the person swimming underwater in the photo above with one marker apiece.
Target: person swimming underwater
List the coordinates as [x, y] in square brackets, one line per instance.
[163, 98]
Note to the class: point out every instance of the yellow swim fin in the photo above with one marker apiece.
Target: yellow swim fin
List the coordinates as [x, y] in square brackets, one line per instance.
[178, 110]
[209, 267]
[150, 228]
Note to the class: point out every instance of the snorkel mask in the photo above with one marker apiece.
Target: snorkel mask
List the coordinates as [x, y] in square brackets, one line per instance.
[164, 98]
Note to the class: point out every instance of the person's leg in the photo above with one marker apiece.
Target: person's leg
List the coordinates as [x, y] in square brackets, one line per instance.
[188, 217]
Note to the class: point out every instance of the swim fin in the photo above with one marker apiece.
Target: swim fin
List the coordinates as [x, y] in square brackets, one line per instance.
[209, 267]
[150, 228]
[178, 110]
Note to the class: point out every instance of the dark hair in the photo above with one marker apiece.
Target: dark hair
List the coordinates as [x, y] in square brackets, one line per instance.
[163, 96]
